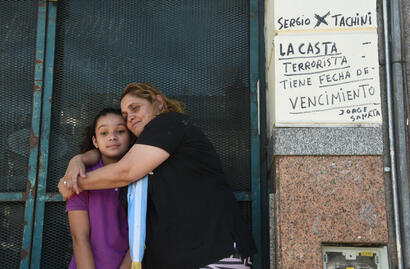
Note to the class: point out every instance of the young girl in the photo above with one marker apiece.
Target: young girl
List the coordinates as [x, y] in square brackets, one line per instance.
[98, 222]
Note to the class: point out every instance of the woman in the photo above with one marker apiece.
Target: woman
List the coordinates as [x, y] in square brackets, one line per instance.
[193, 220]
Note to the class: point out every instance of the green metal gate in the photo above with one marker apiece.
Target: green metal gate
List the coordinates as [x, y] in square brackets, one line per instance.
[79, 55]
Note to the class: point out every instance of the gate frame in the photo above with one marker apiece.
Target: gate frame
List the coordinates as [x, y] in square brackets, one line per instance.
[42, 196]
[30, 194]
[46, 32]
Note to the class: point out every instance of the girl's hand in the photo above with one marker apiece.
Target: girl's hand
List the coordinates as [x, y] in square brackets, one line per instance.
[126, 262]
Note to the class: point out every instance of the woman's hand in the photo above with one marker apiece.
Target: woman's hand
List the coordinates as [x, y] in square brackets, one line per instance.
[65, 187]
[75, 169]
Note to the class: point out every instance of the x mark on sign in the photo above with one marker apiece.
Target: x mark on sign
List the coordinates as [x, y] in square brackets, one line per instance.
[321, 19]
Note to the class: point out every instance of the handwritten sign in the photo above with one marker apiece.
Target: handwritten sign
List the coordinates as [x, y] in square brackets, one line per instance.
[326, 64]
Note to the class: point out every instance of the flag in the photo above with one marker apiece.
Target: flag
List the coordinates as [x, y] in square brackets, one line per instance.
[137, 214]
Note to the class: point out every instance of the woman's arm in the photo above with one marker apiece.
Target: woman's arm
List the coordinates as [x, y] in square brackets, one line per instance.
[126, 262]
[80, 233]
[76, 166]
[67, 185]
[139, 161]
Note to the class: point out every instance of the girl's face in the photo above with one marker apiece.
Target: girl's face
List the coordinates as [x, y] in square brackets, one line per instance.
[111, 138]
[137, 112]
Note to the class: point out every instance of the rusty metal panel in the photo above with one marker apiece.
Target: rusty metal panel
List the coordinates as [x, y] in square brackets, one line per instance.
[99, 53]
[17, 36]
[45, 134]
[34, 135]
[254, 111]
[12, 222]
[20, 114]
[12, 196]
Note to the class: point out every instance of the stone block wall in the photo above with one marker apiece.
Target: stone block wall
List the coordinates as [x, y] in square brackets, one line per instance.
[327, 200]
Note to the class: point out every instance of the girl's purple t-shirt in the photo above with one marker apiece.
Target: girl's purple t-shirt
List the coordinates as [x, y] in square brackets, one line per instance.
[108, 225]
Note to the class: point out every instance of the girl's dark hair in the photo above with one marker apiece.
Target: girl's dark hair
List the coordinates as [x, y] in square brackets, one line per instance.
[89, 131]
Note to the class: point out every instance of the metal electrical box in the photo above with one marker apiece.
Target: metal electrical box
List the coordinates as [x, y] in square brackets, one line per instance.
[354, 258]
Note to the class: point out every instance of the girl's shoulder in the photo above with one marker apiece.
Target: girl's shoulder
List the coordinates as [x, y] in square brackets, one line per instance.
[91, 168]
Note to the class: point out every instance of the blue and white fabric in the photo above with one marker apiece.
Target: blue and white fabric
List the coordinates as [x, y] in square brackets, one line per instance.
[137, 213]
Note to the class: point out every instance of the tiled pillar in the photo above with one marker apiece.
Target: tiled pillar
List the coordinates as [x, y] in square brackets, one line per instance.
[328, 190]
[327, 200]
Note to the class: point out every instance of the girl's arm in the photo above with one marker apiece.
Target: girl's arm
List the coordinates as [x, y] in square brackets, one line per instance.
[80, 232]
[126, 262]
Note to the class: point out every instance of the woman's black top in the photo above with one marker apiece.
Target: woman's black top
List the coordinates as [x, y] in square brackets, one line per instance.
[193, 218]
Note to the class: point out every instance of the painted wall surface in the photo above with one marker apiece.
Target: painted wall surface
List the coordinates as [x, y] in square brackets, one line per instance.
[322, 63]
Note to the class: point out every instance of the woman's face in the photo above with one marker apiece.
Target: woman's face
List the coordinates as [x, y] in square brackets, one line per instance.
[137, 112]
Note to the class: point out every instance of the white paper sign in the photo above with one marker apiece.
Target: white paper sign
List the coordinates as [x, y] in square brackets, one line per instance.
[291, 15]
[326, 73]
